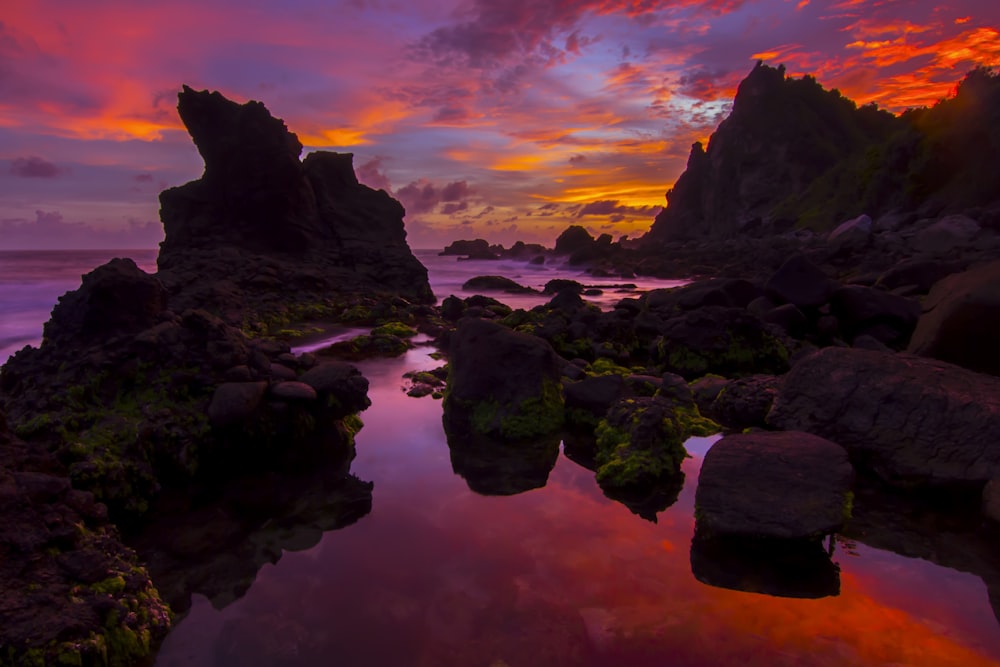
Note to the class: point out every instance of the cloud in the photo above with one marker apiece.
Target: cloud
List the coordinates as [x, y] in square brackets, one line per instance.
[423, 196]
[144, 177]
[614, 208]
[50, 231]
[34, 167]
[371, 174]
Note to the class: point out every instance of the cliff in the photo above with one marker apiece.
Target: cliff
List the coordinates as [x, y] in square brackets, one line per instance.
[792, 154]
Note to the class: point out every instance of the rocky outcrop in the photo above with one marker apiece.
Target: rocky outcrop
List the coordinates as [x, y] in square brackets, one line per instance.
[961, 320]
[781, 135]
[502, 383]
[791, 154]
[72, 592]
[783, 485]
[260, 225]
[911, 421]
[130, 396]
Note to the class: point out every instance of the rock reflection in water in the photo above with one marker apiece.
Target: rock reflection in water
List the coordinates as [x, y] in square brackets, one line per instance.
[646, 502]
[217, 545]
[782, 568]
[498, 468]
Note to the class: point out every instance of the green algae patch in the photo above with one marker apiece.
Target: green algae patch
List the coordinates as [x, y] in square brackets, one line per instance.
[397, 329]
[532, 417]
[640, 442]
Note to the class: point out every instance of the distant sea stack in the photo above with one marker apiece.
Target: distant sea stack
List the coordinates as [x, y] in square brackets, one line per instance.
[792, 154]
[260, 218]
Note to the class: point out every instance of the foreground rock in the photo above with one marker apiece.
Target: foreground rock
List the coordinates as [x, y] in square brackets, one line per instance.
[502, 383]
[961, 320]
[131, 397]
[909, 420]
[73, 594]
[783, 485]
[262, 237]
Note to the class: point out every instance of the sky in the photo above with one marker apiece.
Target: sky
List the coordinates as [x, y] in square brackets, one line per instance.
[506, 120]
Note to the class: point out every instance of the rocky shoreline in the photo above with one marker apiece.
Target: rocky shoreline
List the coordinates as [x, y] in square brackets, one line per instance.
[169, 408]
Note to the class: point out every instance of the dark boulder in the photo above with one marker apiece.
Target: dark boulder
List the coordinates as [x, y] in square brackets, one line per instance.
[495, 284]
[801, 283]
[573, 239]
[783, 485]
[866, 310]
[589, 399]
[341, 385]
[961, 320]
[234, 403]
[475, 247]
[911, 421]
[745, 402]
[921, 274]
[502, 383]
[115, 299]
[726, 341]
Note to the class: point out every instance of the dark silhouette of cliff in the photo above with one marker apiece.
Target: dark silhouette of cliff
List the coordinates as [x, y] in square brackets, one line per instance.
[310, 219]
[794, 154]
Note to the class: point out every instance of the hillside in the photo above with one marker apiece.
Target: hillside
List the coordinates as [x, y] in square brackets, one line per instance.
[792, 154]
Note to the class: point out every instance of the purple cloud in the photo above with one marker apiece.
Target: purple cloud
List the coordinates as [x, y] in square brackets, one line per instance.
[34, 167]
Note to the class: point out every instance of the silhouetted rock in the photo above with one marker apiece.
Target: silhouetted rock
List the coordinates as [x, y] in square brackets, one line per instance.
[115, 299]
[781, 135]
[478, 248]
[572, 239]
[260, 223]
[744, 402]
[495, 284]
[961, 320]
[502, 468]
[909, 420]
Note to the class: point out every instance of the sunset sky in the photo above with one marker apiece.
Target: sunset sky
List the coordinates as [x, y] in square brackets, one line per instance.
[504, 120]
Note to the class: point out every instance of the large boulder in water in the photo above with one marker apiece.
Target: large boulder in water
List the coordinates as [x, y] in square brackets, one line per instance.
[318, 227]
[502, 383]
[961, 320]
[911, 421]
[782, 485]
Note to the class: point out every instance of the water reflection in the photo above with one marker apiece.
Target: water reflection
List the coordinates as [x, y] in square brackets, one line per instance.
[214, 546]
[497, 468]
[791, 569]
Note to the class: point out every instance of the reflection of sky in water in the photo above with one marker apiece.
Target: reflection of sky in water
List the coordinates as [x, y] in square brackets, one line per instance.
[437, 575]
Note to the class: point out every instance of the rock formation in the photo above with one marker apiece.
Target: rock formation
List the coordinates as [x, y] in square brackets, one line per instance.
[262, 223]
[910, 421]
[793, 154]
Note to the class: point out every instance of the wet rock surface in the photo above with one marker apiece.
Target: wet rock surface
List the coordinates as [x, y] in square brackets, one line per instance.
[780, 485]
[911, 421]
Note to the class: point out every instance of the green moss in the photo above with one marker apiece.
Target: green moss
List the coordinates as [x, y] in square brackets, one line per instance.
[397, 329]
[577, 417]
[605, 366]
[109, 586]
[848, 506]
[536, 416]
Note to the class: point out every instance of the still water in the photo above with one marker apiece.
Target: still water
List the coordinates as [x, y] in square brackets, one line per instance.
[560, 575]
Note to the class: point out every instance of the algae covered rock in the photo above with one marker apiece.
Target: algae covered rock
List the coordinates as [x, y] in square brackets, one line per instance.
[502, 383]
[640, 441]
